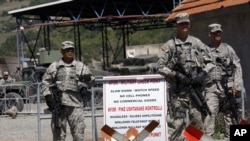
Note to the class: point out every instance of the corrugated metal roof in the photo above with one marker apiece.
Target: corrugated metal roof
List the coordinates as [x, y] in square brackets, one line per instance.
[200, 6]
[39, 6]
[95, 9]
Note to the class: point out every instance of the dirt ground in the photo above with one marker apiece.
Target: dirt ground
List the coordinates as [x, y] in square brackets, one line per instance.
[25, 126]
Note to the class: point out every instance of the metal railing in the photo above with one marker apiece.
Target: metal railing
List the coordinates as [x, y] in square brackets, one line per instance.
[92, 107]
[20, 94]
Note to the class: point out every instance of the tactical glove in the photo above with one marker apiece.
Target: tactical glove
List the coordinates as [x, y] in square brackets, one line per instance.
[48, 99]
[86, 78]
[199, 79]
[182, 78]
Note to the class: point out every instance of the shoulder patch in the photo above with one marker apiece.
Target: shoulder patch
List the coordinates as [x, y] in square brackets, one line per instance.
[164, 48]
[48, 71]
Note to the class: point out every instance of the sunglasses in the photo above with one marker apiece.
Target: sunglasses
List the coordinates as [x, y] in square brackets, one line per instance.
[69, 49]
[216, 33]
[183, 23]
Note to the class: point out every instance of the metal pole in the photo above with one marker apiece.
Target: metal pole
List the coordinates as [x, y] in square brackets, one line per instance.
[38, 112]
[94, 134]
[243, 96]
[21, 45]
[103, 49]
[18, 43]
[124, 41]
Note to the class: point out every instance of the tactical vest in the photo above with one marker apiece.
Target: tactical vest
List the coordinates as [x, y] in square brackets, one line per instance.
[67, 78]
[188, 55]
[224, 66]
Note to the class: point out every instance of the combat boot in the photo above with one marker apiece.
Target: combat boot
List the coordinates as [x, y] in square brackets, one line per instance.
[12, 112]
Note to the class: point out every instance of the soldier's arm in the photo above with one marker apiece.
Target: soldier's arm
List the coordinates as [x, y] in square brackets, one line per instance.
[87, 76]
[163, 61]
[238, 81]
[47, 80]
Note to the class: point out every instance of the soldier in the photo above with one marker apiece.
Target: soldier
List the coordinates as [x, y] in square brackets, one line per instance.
[12, 112]
[181, 60]
[64, 85]
[6, 78]
[224, 81]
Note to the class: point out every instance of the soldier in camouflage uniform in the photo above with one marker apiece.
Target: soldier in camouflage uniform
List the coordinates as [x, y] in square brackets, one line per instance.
[69, 78]
[6, 78]
[193, 55]
[227, 66]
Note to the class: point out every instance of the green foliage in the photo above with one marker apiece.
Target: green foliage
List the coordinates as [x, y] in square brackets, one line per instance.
[219, 127]
[152, 36]
[2, 1]
[37, 2]
[91, 40]
[8, 48]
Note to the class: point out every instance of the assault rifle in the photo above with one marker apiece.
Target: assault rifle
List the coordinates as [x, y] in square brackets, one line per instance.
[231, 101]
[196, 92]
[56, 104]
[170, 107]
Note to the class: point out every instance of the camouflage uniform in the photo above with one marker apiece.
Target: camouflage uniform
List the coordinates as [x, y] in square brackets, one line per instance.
[193, 55]
[68, 79]
[222, 55]
[5, 80]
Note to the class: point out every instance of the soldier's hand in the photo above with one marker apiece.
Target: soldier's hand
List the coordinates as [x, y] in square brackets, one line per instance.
[234, 92]
[182, 78]
[199, 79]
[86, 78]
[48, 99]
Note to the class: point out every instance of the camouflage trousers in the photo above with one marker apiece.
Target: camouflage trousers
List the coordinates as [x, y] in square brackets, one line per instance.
[214, 96]
[185, 112]
[74, 117]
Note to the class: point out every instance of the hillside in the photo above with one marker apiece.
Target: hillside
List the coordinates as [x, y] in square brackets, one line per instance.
[6, 19]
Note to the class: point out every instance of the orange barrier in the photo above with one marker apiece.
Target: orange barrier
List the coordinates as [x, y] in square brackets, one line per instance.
[244, 122]
[193, 134]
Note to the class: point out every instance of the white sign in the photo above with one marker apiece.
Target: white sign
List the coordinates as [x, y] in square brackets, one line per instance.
[134, 101]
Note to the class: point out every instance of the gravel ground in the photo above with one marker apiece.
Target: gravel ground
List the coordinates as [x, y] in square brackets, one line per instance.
[25, 126]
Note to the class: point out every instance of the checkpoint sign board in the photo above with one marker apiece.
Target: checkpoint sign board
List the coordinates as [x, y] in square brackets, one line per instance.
[134, 101]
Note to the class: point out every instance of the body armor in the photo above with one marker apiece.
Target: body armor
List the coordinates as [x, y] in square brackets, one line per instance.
[68, 79]
[188, 56]
[223, 66]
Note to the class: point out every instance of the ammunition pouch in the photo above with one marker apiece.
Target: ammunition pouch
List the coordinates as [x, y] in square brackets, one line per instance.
[228, 68]
[180, 113]
[181, 90]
